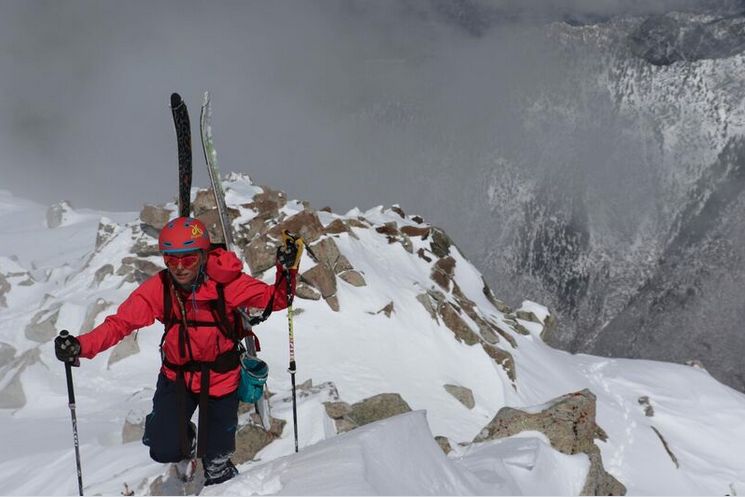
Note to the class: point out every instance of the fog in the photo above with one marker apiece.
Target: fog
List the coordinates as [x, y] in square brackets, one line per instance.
[340, 103]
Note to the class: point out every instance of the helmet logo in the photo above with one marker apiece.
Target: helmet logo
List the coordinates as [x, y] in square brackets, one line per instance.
[196, 231]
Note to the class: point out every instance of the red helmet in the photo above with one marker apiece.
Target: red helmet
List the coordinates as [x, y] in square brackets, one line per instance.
[183, 234]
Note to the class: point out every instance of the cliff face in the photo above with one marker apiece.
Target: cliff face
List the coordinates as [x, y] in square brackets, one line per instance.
[616, 195]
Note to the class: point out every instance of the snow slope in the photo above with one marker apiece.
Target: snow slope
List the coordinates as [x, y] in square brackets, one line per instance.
[363, 353]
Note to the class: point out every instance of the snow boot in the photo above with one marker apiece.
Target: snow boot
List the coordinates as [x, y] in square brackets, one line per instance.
[218, 470]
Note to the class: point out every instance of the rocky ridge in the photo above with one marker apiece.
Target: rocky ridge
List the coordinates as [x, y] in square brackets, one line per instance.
[258, 224]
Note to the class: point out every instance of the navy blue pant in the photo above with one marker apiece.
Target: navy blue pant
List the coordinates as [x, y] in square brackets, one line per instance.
[163, 425]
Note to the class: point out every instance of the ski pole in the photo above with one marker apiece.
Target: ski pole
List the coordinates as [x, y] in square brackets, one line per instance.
[71, 398]
[293, 365]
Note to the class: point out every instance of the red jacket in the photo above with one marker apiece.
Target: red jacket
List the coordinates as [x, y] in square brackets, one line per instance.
[145, 305]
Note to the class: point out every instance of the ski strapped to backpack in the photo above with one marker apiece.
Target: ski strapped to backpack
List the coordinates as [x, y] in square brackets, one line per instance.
[223, 363]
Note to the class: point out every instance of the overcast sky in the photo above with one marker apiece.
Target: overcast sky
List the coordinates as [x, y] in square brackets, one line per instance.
[342, 103]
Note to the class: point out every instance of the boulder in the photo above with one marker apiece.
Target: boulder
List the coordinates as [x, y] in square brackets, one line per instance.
[203, 201]
[441, 243]
[417, 219]
[7, 353]
[444, 444]
[337, 410]
[43, 325]
[56, 214]
[127, 347]
[378, 407]
[360, 222]
[247, 232]
[569, 424]
[503, 358]
[514, 325]
[104, 232]
[134, 426]
[304, 223]
[249, 440]
[501, 306]
[91, 313]
[397, 209]
[4, 288]
[260, 254]
[268, 203]
[451, 317]
[527, 316]
[144, 248]
[12, 395]
[333, 302]
[393, 235]
[487, 330]
[137, 270]
[336, 227]
[155, 215]
[354, 278]
[423, 255]
[327, 253]
[504, 334]
[211, 220]
[387, 310]
[307, 292]
[412, 231]
[322, 278]
[462, 394]
[429, 305]
[390, 229]
[549, 327]
[342, 265]
[102, 273]
[442, 272]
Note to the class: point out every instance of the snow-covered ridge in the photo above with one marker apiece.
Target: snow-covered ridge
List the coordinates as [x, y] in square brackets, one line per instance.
[390, 306]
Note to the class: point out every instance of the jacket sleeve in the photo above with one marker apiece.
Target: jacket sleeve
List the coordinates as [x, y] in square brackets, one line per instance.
[140, 309]
[249, 292]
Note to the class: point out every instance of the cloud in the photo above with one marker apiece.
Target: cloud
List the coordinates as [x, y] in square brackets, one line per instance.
[342, 103]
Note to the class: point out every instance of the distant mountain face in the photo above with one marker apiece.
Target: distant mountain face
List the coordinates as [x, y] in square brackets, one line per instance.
[615, 198]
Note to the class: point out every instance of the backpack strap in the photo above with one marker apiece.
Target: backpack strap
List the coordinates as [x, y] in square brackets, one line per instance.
[223, 323]
[168, 317]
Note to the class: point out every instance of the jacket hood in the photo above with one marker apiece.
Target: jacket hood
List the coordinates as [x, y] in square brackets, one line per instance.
[223, 266]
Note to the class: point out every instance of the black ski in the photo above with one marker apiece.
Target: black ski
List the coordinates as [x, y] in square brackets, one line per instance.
[183, 138]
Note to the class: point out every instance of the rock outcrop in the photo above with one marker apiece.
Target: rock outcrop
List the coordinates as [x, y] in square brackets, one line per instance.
[569, 423]
[348, 417]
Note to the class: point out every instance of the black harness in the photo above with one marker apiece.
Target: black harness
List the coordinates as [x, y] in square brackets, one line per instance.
[224, 363]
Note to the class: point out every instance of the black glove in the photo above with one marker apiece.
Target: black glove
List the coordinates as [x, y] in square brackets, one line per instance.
[290, 251]
[67, 348]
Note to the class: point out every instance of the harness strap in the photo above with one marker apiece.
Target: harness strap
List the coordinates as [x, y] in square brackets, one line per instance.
[223, 363]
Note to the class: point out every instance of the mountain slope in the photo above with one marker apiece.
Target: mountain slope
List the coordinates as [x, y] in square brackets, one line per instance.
[355, 338]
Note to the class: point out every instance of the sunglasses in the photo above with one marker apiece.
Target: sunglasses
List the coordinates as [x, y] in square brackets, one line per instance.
[186, 261]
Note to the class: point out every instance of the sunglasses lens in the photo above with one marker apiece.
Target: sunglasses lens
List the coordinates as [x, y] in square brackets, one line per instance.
[186, 261]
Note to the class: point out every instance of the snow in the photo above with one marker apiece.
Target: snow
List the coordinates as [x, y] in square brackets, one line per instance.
[363, 353]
